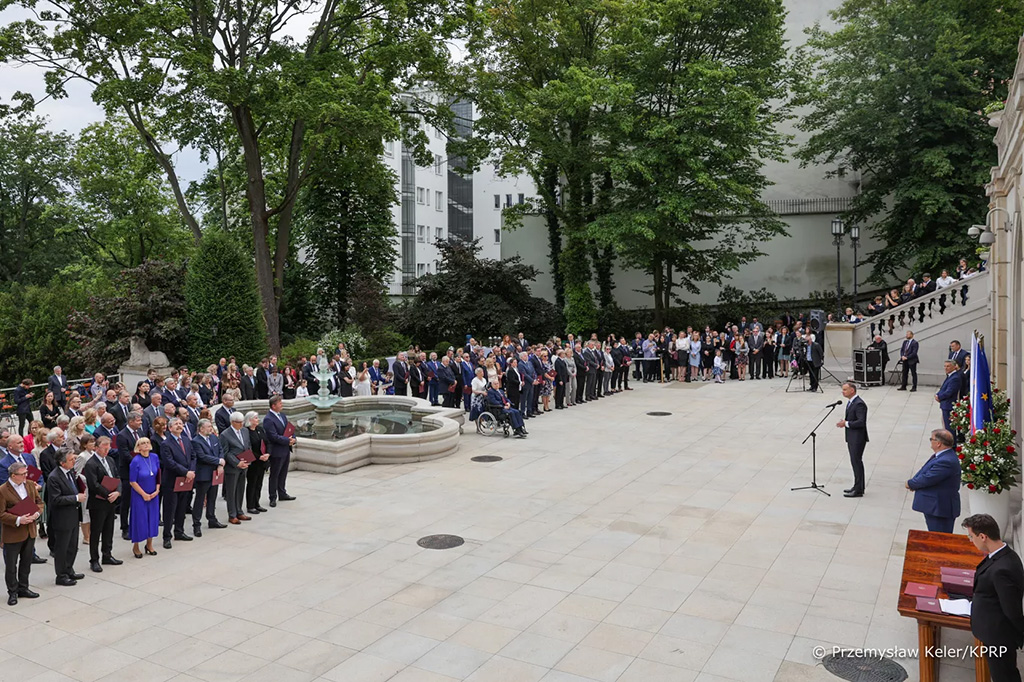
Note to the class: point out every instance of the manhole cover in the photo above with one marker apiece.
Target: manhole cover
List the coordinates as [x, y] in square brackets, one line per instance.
[485, 458]
[864, 668]
[440, 541]
[659, 414]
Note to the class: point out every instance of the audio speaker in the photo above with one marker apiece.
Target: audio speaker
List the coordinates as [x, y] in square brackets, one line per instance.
[818, 318]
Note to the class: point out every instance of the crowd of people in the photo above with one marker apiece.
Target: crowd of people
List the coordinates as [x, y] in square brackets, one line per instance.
[910, 291]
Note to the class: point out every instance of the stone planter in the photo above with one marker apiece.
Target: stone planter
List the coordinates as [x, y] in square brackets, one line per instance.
[995, 505]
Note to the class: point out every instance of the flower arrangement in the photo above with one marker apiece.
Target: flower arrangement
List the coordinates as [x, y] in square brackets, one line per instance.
[988, 458]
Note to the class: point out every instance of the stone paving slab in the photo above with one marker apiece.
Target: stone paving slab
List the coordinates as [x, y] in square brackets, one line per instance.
[610, 546]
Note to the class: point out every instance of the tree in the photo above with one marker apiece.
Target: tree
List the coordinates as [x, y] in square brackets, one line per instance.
[144, 302]
[896, 94]
[222, 304]
[179, 70]
[472, 295]
[120, 206]
[686, 178]
[541, 77]
[347, 226]
[35, 169]
[34, 330]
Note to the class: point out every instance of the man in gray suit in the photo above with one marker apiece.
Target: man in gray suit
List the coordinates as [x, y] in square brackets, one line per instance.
[814, 359]
[154, 410]
[233, 442]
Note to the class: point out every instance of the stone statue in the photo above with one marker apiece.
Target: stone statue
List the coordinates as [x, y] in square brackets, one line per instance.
[141, 356]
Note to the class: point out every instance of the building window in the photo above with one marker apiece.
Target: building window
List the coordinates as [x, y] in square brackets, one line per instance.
[497, 236]
[421, 233]
[439, 234]
[439, 200]
[437, 164]
[508, 200]
[419, 195]
[421, 269]
[522, 199]
[389, 147]
[497, 201]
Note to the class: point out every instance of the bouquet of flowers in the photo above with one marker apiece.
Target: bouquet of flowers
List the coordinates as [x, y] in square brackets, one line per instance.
[988, 458]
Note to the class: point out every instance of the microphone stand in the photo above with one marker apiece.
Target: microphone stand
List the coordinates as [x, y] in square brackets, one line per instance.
[813, 437]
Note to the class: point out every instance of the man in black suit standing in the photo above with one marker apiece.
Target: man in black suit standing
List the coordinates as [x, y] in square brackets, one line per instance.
[957, 354]
[561, 379]
[177, 460]
[756, 353]
[581, 373]
[262, 375]
[856, 424]
[513, 381]
[908, 354]
[996, 618]
[64, 504]
[248, 385]
[102, 505]
[813, 357]
[401, 371]
[58, 383]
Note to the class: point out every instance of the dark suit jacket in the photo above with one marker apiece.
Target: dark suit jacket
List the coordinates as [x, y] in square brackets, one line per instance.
[58, 385]
[401, 372]
[175, 460]
[908, 349]
[561, 370]
[47, 460]
[125, 451]
[857, 422]
[277, 443]
[8, 498]
[959, 357]
[93, 473]
[21, 401]
[817, 356]
[513, 384]
[231, 448]
[882, 346]
[950, 391]
[207, 457]
[445, 378]
[65, 512]
[996, 617]
[222, 419]
[248, 387]
[937, 486]
[9, 459]
[262, 388]
[120, 413]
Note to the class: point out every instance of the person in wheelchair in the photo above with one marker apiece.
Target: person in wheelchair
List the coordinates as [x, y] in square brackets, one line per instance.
[496, 398]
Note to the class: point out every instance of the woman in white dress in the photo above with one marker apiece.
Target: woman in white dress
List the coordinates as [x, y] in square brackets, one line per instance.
[479, 387]
[362, 383]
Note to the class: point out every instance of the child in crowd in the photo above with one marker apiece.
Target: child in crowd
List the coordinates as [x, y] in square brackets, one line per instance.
[719, 368]
[302, 391]
[388, 386]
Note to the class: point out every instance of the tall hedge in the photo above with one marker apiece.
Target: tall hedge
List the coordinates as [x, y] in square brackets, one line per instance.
[222, 303]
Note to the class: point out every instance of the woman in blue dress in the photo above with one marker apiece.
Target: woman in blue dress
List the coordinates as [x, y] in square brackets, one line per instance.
[144, 518]
[695, 357]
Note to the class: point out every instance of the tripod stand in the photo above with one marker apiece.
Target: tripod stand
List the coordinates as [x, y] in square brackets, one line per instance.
[813, 436]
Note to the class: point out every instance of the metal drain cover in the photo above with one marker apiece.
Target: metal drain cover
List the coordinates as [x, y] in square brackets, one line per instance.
[659, 414]
[485, 458]
[863, 668]
[440, 541]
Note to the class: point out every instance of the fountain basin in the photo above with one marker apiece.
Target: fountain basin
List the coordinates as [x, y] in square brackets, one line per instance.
[438, 436]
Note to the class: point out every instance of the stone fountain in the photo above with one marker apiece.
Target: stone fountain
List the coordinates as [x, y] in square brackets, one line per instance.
[323, 402]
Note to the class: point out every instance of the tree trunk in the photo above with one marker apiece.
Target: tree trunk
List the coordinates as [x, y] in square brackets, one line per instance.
[668, 287]
[554, 236]
[659, 287]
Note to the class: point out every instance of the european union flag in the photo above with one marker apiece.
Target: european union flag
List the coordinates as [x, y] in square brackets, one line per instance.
[981, 386]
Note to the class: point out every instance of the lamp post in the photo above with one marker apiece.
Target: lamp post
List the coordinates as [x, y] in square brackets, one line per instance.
[837, 239]
[854, 239]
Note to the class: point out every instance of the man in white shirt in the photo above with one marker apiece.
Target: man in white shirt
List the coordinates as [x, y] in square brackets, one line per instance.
[944, 281]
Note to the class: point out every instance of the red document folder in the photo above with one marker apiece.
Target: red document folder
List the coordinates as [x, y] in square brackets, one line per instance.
[246, 456]
[24, 508]
[921, 590]
[929, 605]
[34, 474]
[218, 477]
[182, 485]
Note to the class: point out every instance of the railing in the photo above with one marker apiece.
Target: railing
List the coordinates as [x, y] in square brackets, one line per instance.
[812, 206]
[7, 394]
[953, 298]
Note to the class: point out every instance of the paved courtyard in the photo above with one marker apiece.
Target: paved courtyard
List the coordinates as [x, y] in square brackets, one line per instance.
[609, 546]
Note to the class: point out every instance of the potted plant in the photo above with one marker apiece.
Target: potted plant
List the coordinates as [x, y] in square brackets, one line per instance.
[988, 458]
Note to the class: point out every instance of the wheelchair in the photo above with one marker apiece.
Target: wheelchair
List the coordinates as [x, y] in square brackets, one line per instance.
[491, 419]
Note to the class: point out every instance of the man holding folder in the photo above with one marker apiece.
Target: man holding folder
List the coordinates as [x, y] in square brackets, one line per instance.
[237, 455]
[104, 488]
[20, 507]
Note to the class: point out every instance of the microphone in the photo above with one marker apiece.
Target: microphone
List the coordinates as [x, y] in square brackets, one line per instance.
[835, 404]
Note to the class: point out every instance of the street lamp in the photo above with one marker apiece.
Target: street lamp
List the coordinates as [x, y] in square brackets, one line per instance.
[854, 239]
[837, 238]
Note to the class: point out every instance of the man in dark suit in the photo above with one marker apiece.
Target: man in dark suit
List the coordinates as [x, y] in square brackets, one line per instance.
[417, 379]
[58, 383]
[233, 442]
[593, 366]
[207, 449]
[15, 453]
[513, 381]
[996, 617]
[262, 375]
[908, 354]
[106, 427]
[756, 353]
[170, 393]
[125, 451]
[936, 485]
[856, 424]
[813, 358]
[19, 532]
[926, 286]
[63, 501]
[192, 409]
[155, 409]
[496, 398]
[401, 374]
[581, 373]
[431, 370]
[279, 446]
[176, 461]
[248, 385]
[445, 382]
[102, 505]
[957, 354]
[467, 371]
[948, 394]
[529, 376]
[561, 380]
[222, 418]
[121, 409]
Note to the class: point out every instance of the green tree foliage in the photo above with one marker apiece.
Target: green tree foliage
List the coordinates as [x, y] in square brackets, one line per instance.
[184, 74]
[34, 330]
[370, 309]
[35, 169]
[144, 302]
[347, 226]
[541, 76]
[896, 93]
[120, 206]
[299, 316]
[479, 296]
[222, 304]
[686, 176]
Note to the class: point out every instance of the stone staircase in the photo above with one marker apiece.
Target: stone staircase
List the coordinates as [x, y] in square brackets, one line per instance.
[936, 319]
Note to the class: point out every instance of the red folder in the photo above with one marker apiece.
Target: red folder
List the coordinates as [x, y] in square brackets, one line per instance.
[289, 430]
[110, 484]
[246, 456]
[929, 605]
[34, 473]
[921, 590]
[24, 508]
[958, 585]
[957, 572]
[218, 477]
[81, 484]
[182, 485]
